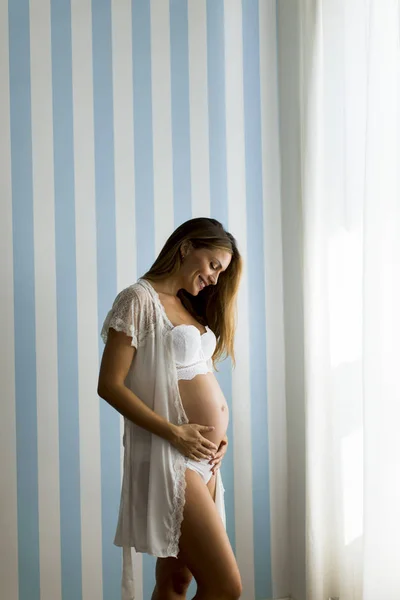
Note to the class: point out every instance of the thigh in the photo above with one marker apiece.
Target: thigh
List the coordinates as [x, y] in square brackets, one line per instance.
[212, 486]
[204, 544]
[171, 570]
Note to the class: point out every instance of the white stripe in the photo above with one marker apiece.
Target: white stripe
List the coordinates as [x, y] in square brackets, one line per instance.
[45, 301]
[274, 299]
[124, 164]
[198, 94]
[162, 126]
[86, 279]
[124, 153]
[8, 469]
[236, 183]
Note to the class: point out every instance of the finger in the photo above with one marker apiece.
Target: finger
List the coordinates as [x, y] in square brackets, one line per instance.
[215, 458]
[206, 428]
[209, 445]
[209, 453]
[201, 455]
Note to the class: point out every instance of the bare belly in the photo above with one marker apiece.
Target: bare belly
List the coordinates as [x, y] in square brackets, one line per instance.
[205, 404]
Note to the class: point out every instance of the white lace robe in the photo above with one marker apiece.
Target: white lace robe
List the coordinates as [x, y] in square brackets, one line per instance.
[153, 485]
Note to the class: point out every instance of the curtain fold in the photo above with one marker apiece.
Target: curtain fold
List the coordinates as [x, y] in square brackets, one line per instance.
[350, 206]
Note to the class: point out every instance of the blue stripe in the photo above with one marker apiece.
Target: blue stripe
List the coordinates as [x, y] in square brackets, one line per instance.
[144, 185]
[216, 109]
[256, 269]
[180, 110]
[219, 209]
[24, 302]
[106, 281]
[143, 134]
[67, 343]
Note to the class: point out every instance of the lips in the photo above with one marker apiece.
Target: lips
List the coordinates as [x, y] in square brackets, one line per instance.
[202, 285]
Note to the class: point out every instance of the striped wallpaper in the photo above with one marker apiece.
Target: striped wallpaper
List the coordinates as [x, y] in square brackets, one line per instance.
[119, 120]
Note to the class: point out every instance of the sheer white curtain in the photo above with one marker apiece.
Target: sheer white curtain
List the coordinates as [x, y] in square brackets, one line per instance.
[350, 112]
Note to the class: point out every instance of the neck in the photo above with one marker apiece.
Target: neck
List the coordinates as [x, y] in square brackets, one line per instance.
[169, 286]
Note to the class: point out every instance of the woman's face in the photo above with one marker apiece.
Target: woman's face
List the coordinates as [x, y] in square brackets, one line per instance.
[202, 267]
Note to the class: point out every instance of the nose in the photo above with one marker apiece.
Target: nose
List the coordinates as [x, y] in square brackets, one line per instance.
[213, 279]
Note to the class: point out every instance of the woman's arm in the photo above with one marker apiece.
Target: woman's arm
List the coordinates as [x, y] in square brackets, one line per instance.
[117, 359]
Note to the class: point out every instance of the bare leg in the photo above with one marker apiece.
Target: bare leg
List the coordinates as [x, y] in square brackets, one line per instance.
[204, 544]
[173, 575]
[173, 579]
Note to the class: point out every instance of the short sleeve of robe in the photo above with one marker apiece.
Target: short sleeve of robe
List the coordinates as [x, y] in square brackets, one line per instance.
[124, 315]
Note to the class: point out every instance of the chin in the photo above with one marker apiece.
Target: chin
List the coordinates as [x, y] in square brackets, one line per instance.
[195, 291]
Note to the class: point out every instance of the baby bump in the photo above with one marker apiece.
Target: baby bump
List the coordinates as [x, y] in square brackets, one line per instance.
[205, 404]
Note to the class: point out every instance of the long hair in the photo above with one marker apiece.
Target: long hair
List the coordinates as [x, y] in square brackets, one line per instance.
[216, 305]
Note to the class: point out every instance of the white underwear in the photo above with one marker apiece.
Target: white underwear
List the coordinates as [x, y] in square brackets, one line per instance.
[202, 467]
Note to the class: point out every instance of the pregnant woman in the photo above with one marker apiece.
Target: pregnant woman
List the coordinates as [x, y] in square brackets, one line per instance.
[164, 336]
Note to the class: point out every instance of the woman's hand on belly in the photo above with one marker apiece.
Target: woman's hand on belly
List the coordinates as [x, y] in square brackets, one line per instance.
[217, 460]
[204, 402]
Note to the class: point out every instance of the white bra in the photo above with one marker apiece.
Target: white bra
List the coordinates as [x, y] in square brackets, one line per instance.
[192, 350]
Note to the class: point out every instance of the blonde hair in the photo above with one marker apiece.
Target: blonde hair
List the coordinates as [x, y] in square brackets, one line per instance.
[215, 306]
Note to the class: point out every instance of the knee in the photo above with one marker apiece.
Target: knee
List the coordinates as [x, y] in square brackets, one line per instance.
[181, 582]
[231, 589]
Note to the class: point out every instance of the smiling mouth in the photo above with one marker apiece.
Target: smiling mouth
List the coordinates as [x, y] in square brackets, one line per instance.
[201, 283]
